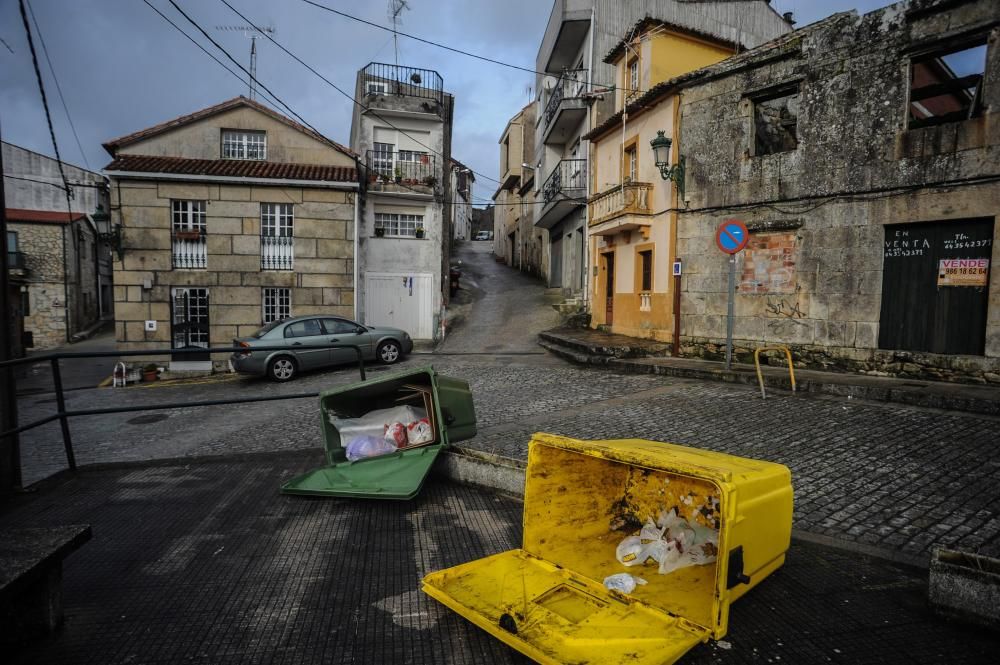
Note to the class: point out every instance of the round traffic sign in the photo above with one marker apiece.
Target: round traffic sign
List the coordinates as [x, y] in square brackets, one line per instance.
[732, 236]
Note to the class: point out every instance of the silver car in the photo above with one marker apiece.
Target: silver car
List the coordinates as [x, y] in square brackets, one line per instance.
[377, 343]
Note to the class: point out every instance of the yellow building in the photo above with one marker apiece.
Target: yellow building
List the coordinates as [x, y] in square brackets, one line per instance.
[631, 229]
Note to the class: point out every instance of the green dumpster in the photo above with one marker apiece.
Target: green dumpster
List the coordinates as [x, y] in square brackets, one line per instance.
[399, 474]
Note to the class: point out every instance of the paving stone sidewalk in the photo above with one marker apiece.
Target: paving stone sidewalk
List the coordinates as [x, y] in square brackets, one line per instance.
[207, 563]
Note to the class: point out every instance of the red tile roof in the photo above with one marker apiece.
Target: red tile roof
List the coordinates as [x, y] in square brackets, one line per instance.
[43, 216]
[113, 145]
[232, 168]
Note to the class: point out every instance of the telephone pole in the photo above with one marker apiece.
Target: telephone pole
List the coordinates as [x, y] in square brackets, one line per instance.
[10, 452]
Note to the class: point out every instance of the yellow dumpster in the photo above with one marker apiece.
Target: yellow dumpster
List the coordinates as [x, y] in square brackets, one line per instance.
[693, 530]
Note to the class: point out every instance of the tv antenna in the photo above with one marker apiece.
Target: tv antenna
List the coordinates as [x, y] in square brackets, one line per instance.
[253, 32]
[396, 8]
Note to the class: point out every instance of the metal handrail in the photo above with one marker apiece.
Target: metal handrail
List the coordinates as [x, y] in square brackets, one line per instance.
[760, 375]
[63, 416]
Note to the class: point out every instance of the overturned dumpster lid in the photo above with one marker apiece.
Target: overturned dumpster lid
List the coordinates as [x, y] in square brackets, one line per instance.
[582, 499]
[399, 475]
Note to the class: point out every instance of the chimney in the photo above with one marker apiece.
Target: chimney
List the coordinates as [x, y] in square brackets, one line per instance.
[789, 18]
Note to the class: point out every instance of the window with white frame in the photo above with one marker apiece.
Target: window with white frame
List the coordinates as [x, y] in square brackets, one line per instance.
[633, 75]
[396, 225]
[277, 304]
[277, 248]
[239, 144]
[382, 158]
[188, 246]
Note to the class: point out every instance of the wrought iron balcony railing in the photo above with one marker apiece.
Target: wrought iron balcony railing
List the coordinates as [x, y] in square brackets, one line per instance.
[404, 166]
[379, 78]
[568, 178]
[15, 261]
[277, 252]
[630, 198]
[571, 85]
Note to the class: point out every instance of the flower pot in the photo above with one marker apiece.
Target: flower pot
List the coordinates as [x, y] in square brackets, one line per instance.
[380, 232]
[150, 376]
[419, 233]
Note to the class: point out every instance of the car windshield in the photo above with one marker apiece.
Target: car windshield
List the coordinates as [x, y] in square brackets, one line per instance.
[266, 329]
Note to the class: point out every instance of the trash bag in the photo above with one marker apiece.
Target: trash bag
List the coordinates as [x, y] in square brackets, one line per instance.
[622, 582]
[365, 445]
[671, 543]
[374, 423]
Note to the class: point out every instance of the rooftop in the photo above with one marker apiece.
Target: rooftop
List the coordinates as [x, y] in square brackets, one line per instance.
[231, 168]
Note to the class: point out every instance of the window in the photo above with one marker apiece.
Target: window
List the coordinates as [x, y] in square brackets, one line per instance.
[11, 241]
[339, 327]
[630, 168]
[277, 244]
[306, 328]
[776, 122]
[277, 304]
[376, 87]
[382, 158]
[633, 75]
[244, 144]
[188, 247]
[25, 303]
[646, 260]
[398, 225]
[947, 85]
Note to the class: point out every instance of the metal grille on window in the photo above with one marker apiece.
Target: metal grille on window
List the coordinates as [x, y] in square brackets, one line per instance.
[244, 145]
[400, 226]
[190, 314]
[277, 304]
[188, 247]
[382, 159]
[277, 244]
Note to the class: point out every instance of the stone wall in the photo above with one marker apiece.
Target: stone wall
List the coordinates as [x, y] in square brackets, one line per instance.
[321, 280]
[812, 276]
[42, 245]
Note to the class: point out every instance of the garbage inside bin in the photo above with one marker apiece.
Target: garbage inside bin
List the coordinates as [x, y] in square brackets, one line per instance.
[382, 435]
[715, 525]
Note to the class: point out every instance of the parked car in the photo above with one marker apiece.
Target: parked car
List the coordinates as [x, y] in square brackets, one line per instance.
[387, 345]
[483, 235]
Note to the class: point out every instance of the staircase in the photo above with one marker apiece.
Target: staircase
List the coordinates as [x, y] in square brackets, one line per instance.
[593, 347]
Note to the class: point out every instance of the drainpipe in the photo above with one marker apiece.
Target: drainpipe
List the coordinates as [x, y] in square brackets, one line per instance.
[585, 259]
[675, 204]
[357, 232]
[65, 265]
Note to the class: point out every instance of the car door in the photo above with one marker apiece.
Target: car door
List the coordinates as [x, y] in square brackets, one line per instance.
[307, 332]
[342, 331]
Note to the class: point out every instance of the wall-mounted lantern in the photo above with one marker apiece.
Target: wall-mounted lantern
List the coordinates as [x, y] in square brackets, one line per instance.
[109, 233]
[661, 155]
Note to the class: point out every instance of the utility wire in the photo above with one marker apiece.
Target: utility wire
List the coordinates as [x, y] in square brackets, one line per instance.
[4, 42]
[45, 103]
[54, 184]
[207, 52]
[244, 69]
[345, 94]
[55, 78]
[445, 47]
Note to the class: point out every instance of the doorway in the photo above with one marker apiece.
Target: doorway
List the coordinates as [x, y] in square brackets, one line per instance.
[189, 323]
[609, 287]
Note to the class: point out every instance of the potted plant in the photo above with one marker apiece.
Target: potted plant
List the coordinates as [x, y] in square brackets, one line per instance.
[187, 234]
[399, 175]
[150, 372]
[419, 232]
[430, 181]
[379, 231]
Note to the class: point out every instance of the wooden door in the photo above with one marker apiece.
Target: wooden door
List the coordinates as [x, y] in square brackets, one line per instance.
[609, 288]
[928, 302]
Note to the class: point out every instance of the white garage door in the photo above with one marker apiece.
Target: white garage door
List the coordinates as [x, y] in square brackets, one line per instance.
[401, 301]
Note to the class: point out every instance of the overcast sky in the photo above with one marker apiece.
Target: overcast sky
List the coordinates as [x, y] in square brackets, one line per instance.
[123, 68]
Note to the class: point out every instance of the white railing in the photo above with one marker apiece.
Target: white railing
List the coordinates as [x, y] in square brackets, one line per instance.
[277, 252]
[624, 199]
[645, 302]
[190, 253]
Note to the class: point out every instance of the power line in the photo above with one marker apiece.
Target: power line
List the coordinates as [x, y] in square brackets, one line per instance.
[345, 94]
[204, 50]
[55, 78]
[443, 46]
[53, 184]
[4, 42]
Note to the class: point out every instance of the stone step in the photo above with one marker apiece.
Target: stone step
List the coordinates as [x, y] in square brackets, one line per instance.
[597, 348]
[573, 355]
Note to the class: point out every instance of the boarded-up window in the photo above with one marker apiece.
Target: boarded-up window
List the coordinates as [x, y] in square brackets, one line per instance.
[769, 264]
[935, 286]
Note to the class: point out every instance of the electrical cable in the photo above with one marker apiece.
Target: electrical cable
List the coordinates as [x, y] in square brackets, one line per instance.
[449, 48]
[341, 91]
[45, 51]
[206, 51]
[53, 184]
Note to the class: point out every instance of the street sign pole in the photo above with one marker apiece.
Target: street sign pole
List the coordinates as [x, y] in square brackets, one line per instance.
[731, 313]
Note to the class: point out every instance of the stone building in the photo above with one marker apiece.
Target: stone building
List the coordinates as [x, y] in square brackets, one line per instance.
[517, 241]
[233, 216]
[61, 269]
[402, 130]
[462, 182]
[862, 154]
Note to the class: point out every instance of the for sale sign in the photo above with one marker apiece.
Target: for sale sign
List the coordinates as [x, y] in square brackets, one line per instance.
[963, 272]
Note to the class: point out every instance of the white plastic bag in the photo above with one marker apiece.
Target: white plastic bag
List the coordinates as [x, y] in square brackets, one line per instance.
[364, 446]
[622, 582]
[373, 423]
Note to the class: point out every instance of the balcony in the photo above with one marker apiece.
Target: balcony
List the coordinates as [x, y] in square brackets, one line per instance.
[565, 34]
[189, 250]
[564, 191]
[396, 87]
[277, 252]
[621, 208]
[566, 108]
[404, 171]
[16, 263]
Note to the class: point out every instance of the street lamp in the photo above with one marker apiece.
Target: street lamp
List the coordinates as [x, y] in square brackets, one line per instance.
[108, 232]
[661, 156]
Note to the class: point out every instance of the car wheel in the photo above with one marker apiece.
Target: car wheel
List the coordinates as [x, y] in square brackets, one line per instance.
[388, 352]
[282, 369]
